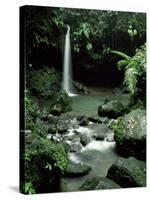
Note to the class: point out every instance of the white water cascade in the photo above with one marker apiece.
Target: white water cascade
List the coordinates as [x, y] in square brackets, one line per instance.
[67, 65]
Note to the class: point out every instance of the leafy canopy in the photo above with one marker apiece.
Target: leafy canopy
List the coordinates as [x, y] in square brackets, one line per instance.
[135, 67]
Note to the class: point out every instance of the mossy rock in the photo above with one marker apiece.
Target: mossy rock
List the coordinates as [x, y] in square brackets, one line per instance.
[75, 170]
[111, 109]
[62, 103]
[44, 82]
[32, 112]
[130, 134]
[45, 163]
[40, 128]
[98, 183]
[128, 172]
[63, 185]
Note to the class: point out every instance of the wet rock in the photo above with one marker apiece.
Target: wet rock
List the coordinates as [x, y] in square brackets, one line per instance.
[111, 109]
[130, 134]
[56, 109]
[85, 139]
[110, 137]
[97, 183]
[103, 120]
[98, 119]
[74, 146]
[56, 137]
[128, 172]
[80, 88]
[61, 128]
[83, 121]
[99, 136]
[52, 119]
[52, 128]
[94, 118]
[44, 117]
[102, 132]
[75, 170]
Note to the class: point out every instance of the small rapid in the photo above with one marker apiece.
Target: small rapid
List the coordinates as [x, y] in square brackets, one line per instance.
[99, 155]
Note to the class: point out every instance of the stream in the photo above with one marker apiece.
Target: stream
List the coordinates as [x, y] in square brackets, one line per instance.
[98, 154]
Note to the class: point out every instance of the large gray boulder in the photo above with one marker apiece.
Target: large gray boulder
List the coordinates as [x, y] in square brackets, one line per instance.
[85, 139]
[102, 132]
[130, 134]
[128, 172]
[83, 121]
[79, 169]
[97, 183]
[111, 109]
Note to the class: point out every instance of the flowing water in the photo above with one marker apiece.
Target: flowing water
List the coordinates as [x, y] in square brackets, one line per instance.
[67, 64]
[99, 155]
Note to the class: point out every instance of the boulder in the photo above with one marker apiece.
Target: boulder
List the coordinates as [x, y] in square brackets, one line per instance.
[85, 139]
[102, 132]
[74, 146]
[40, 128]
[62, 126]
[83, 121]
[128, 172]
[62, 103]
[44, 161]
[94, 118]
[80, 88]
[99, 136]
[63, 185]
[130, 134]
[111, 109]
[56, 109]
[98, 119]
[75, 170]
[97, 183]
[52, 128]
[103, 120]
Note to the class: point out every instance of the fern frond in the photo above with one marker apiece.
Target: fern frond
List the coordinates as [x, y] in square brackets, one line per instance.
[121, 54]
[122, 64]
[131, 64]
[130, 79]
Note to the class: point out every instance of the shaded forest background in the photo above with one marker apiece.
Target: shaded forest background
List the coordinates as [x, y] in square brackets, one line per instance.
[93, 34]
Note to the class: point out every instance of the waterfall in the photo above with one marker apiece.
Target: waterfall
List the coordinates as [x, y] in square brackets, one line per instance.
[67, 65]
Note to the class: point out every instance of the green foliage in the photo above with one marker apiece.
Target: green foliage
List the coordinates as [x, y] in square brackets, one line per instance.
[93, 32]
[46, 162]
[121, 54]
[50, 153]
[40, 128]
[41, 23]
[32, 116]
[63, 99]
[31, 112]
[93, 35]
[135, 68]
[44, 82]
[27, 188]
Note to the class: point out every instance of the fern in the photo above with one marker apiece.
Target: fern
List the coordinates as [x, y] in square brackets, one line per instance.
[134, 67]
[121, 54]
[131, 79]
[122, 63]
